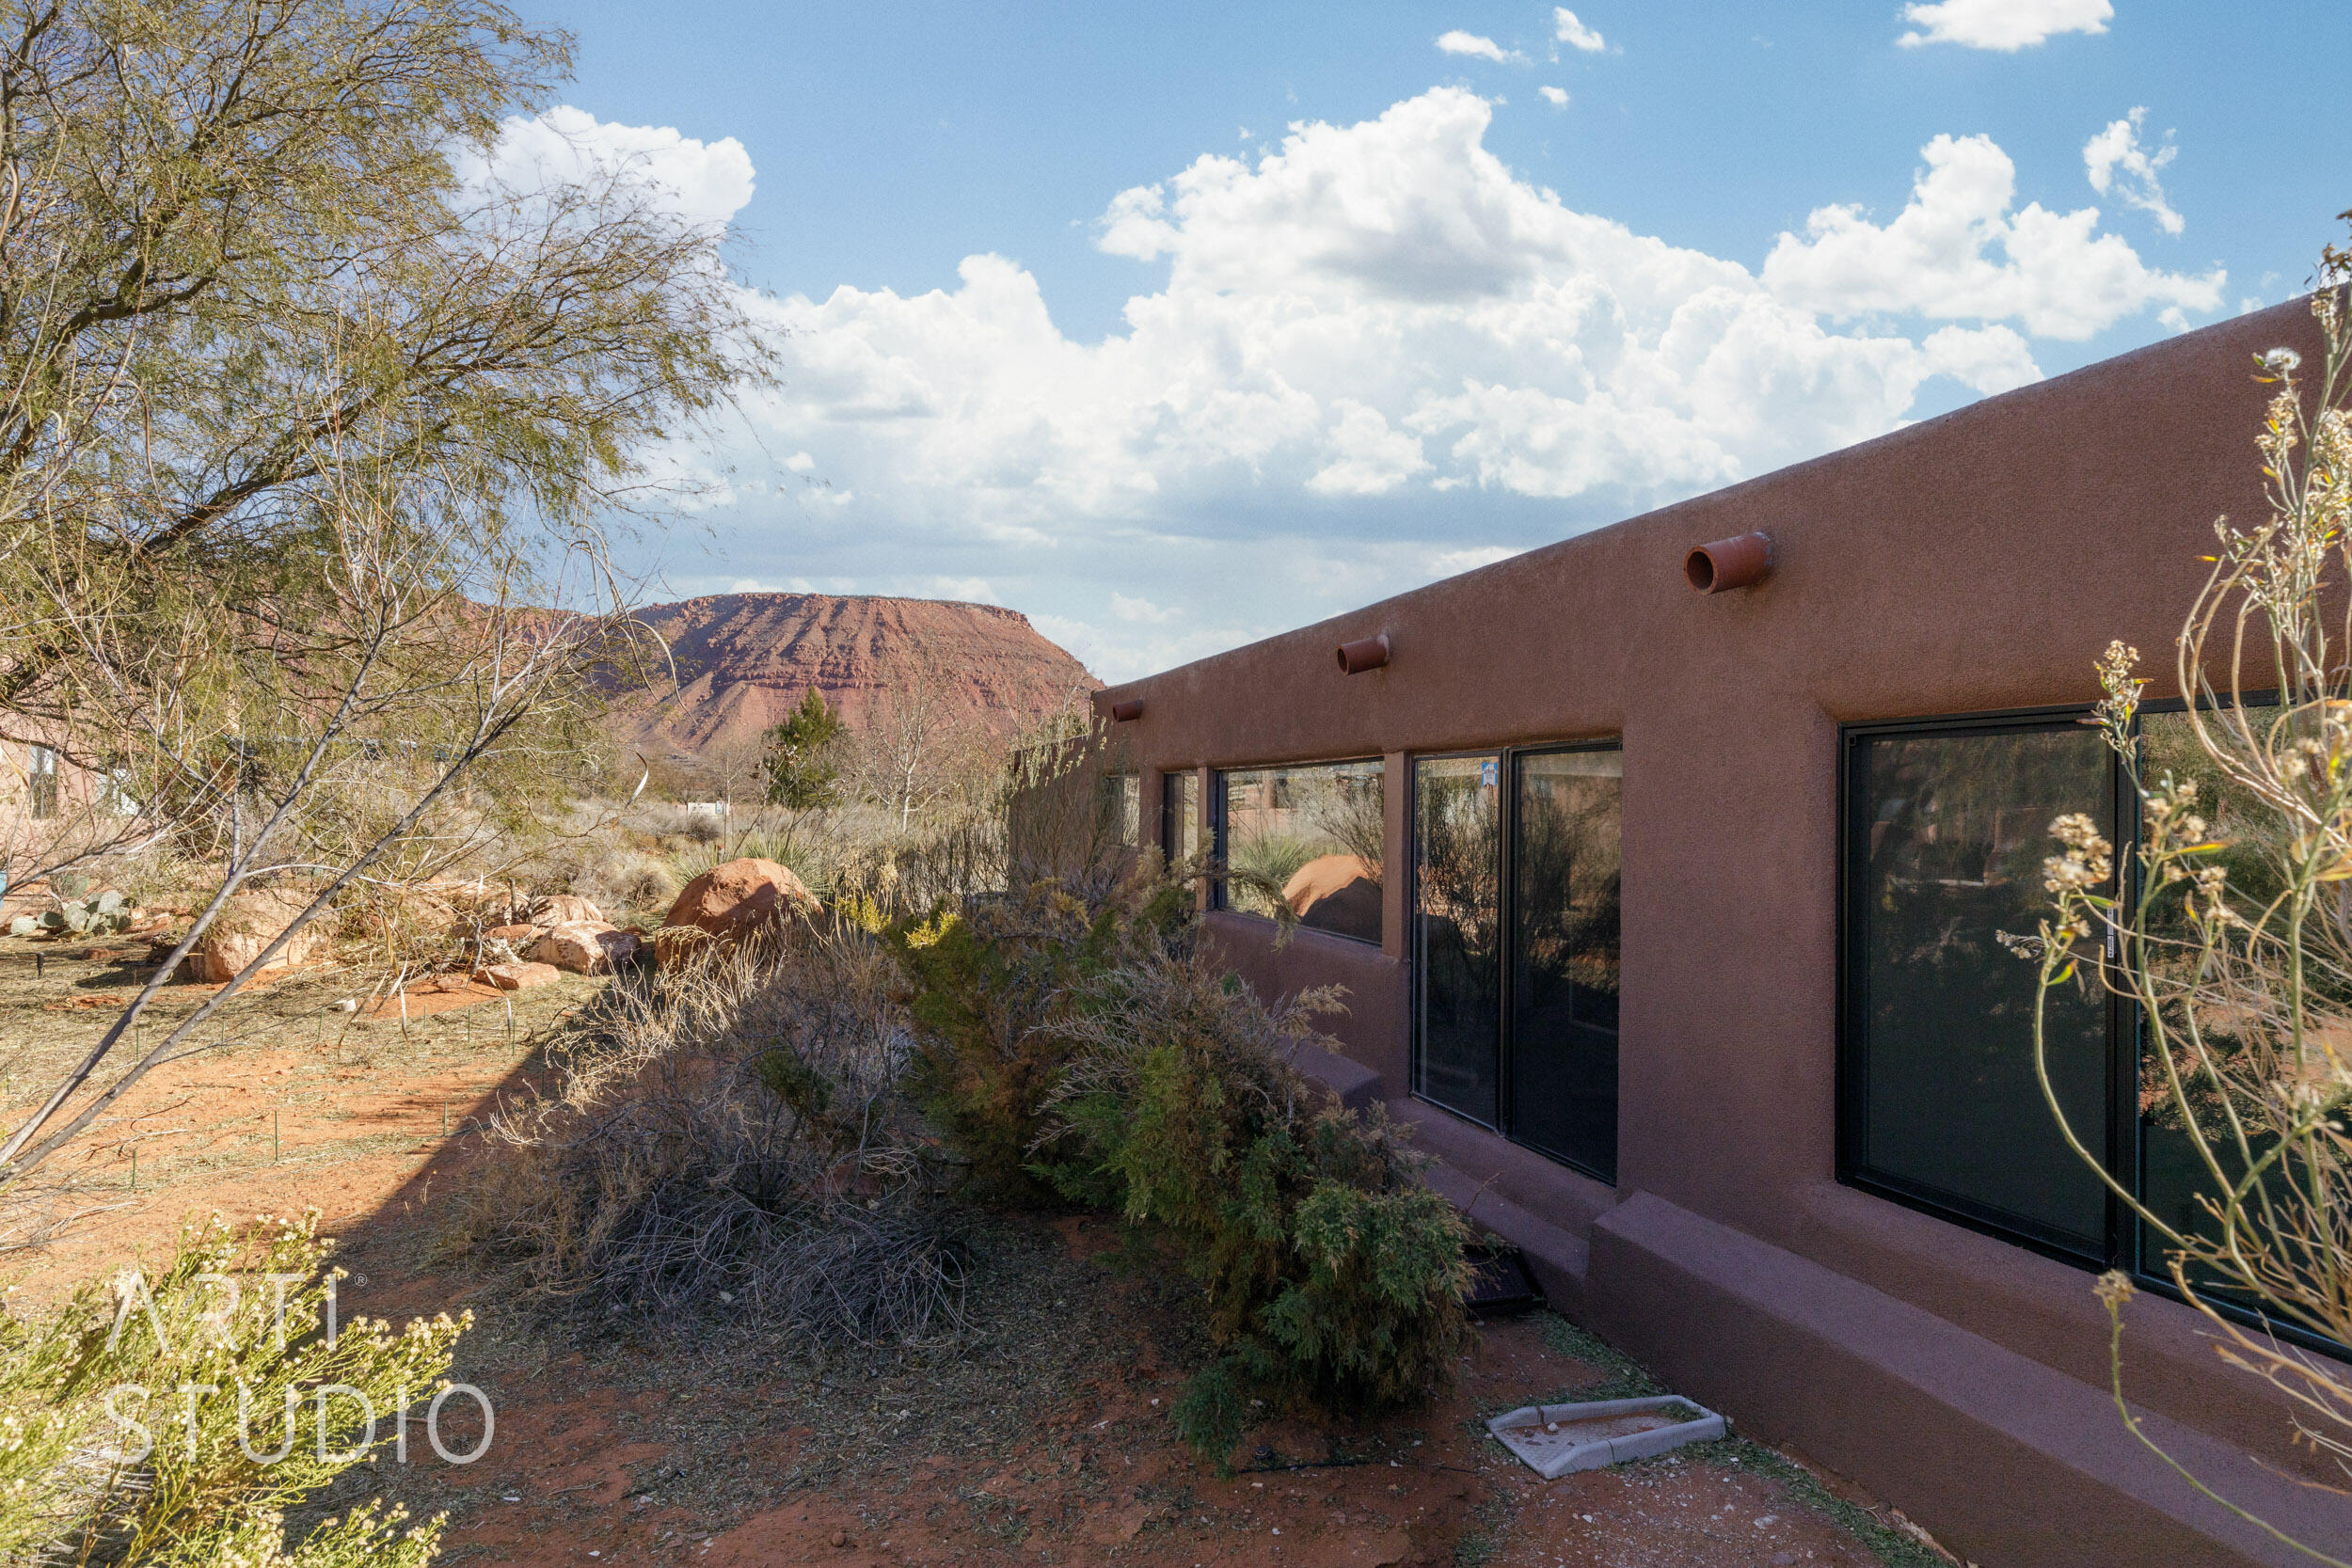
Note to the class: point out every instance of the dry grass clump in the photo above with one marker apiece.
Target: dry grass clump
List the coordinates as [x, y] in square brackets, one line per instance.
[620, 858]
[626, 879]
[730, 1143]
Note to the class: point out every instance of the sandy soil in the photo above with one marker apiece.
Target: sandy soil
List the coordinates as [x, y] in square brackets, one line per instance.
[290, 1103]
[1045, 1438]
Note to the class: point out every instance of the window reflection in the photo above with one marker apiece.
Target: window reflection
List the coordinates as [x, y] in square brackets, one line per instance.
[1565, 874]
[1180, 815]
[1457, 928]
[1944, 1101]
[1311, 837]
[2172, 1174]
[42, 783]
[1122, 808]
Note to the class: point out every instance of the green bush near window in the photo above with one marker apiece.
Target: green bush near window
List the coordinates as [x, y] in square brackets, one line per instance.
[1332, 1272]
[1093, 1051]
[986, 982]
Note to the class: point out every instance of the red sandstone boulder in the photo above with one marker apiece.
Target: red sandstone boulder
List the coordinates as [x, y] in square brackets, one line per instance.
[1323, 876]
[250, 921]
[1337, 893]
[729, 900]
[516, 977]
[585, 949]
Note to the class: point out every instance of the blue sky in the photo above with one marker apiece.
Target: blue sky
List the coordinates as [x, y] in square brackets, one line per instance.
[1176, 327]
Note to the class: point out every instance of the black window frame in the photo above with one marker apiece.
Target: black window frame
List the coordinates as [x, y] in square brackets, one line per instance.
[1214, 809]
[1852, 1064]
[2125, 1155]
[1506, 893]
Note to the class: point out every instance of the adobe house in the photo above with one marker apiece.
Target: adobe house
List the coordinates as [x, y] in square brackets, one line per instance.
[1681, 947]
[45, 799]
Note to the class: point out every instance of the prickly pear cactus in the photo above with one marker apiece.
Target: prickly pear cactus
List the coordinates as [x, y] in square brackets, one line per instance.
[102, 916]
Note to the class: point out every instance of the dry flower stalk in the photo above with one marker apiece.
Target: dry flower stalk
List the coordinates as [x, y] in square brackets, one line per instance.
[2230, 935]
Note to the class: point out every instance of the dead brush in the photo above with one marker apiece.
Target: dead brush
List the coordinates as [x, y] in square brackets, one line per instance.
[731, 1142]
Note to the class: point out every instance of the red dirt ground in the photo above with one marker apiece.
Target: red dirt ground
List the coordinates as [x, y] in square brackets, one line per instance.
[590, 1446]
[1047, 1442]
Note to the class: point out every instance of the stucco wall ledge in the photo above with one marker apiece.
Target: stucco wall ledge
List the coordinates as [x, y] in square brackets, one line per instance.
[2010, 1463]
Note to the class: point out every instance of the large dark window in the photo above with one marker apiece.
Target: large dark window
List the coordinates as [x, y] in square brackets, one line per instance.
[1458, 918]
[1946, 836]
[1946, 828]
[1564, 955]
[1515, 945]
[1310, 836]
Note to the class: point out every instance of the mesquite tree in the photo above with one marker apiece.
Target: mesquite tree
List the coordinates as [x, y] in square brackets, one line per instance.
[312, 427]
[238, 264]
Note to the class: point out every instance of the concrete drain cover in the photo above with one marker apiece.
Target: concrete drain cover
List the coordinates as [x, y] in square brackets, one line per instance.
[1555, 1439]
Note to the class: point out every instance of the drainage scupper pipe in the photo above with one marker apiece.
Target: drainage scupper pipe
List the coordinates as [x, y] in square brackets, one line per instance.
[1130, 709]
[1728, 564]
[1369, 653]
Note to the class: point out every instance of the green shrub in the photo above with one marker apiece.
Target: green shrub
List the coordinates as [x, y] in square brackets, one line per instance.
[986, 985]
[1332, 1272]
[1092, 1051]
[77, 1490]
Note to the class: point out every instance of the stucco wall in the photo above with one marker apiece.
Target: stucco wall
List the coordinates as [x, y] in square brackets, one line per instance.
[1973, 562]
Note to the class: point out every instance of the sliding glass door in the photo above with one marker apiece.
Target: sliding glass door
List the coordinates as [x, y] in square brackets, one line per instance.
[1565, 865]
[1515, 945]
[1457, 903]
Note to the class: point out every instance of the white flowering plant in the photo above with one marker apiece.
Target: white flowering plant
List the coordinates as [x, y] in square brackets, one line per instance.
[173, 1418]
[2229, 933]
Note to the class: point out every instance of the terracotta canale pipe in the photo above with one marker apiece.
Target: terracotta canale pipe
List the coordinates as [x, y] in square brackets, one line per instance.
[1370, 653]
[1728, 564]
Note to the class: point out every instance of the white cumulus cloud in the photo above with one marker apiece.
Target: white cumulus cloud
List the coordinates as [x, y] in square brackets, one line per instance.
[1569, 30]
[2116, 162]
[1368, 456]
[969, 590]
[1957, 251]
[1556, 97]
[704, 183]
[1373, 353]
[1129, 607]
[1459, 42]
[2004, 25]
